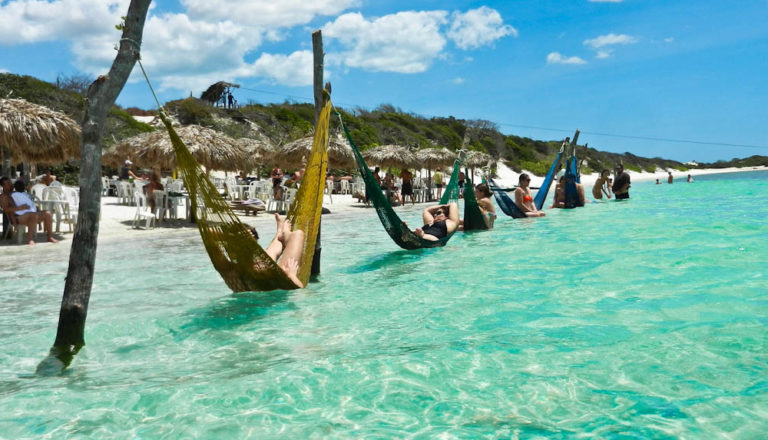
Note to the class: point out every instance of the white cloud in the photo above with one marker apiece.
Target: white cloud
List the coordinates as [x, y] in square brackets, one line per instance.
[669, 39]
[31, 21]
[210, 40]
[458, 81]
[478, 27]
[406, 42]
[271, 14]
[557, 58]
[609, 40]
[605, 53]
[293, 70]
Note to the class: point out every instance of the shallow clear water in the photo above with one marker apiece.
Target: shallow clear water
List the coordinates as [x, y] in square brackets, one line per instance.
[635, 320]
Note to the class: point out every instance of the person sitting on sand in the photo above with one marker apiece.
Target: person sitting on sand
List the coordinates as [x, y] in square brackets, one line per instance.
[439, 221]
[524, 199]
[286, 249]
[21, 209]
[483, 196]
[601, 186]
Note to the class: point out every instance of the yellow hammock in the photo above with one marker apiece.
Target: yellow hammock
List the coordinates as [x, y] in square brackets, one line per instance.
[234, 252]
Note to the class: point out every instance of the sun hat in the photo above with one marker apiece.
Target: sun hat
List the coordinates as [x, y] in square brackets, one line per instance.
[128, 162]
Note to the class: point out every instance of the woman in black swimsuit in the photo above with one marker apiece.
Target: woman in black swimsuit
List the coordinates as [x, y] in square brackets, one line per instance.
[439, 221]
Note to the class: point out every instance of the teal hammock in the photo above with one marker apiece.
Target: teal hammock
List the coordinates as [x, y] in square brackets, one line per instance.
[396, 228]
[473, 216]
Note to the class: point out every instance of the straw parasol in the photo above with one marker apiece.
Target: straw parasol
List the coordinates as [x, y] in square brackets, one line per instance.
[295, 153]
[260, 152]
[433, 158]
[390, 156]
[35, 133]
[210, 148]
[474, 159]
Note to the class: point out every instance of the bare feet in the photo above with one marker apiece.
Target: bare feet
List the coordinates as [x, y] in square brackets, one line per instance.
[31, 243]
[291, 268]
[52, 240]
[419, 232]
[280, 222]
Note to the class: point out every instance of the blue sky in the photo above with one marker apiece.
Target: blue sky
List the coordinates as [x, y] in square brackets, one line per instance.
[631, 74]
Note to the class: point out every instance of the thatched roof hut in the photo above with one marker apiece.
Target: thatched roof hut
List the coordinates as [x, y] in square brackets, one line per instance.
[34, 133]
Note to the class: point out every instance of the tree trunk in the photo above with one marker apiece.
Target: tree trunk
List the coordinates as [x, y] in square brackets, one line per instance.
[100, 97]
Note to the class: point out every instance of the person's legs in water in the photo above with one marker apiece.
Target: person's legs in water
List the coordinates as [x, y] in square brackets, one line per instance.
[287, 247]
[293, 247]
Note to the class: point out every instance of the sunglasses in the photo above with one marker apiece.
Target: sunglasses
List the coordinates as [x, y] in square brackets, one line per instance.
[439, 212]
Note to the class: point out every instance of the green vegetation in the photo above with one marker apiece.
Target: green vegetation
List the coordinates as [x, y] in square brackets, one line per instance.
[384, 125]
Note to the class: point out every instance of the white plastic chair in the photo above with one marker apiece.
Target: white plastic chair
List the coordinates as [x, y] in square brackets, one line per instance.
[60, 208]
[344, 187]
[161, 204]
[124, 192]
[72, 196]
[37, 191]
[329, 189]
[142, 211]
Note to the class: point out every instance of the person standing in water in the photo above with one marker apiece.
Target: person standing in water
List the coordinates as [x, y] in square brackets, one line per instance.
[601, 186]
[622, 183]
[670, 179]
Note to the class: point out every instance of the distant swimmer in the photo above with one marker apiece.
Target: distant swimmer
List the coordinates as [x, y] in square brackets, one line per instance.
[690, 179]
[622, 183]
[658, 182]
[670, 179]
[601, 186]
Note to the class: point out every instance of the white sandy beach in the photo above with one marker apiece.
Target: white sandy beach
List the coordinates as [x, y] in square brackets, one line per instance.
[117, 220]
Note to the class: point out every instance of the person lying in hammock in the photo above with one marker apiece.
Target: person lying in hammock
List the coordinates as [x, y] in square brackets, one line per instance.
[439, 221]
[289, 245]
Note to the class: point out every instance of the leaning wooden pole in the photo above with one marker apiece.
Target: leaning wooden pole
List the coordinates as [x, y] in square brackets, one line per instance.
[100, 97]
[317, 55]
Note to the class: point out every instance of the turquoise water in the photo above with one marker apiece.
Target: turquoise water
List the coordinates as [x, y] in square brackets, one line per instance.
[636, 320]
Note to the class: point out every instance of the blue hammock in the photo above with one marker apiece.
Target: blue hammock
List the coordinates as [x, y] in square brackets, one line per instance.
[508, 205]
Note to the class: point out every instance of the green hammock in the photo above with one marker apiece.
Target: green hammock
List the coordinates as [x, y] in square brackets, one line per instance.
[396, 228]
[473, 217]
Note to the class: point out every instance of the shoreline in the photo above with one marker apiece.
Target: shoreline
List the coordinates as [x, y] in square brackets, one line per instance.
[117, 220]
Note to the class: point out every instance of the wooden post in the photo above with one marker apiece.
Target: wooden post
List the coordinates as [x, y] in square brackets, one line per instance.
[317, 56]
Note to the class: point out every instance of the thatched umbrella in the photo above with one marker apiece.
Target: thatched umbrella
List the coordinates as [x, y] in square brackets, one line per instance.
[433, 158]
[474, 159]
[390, 156]
[210, 148]
[260, 152]
[295, 153]
[34, 133]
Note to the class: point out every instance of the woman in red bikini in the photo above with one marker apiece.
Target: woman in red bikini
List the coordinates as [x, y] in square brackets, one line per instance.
[524, 199]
